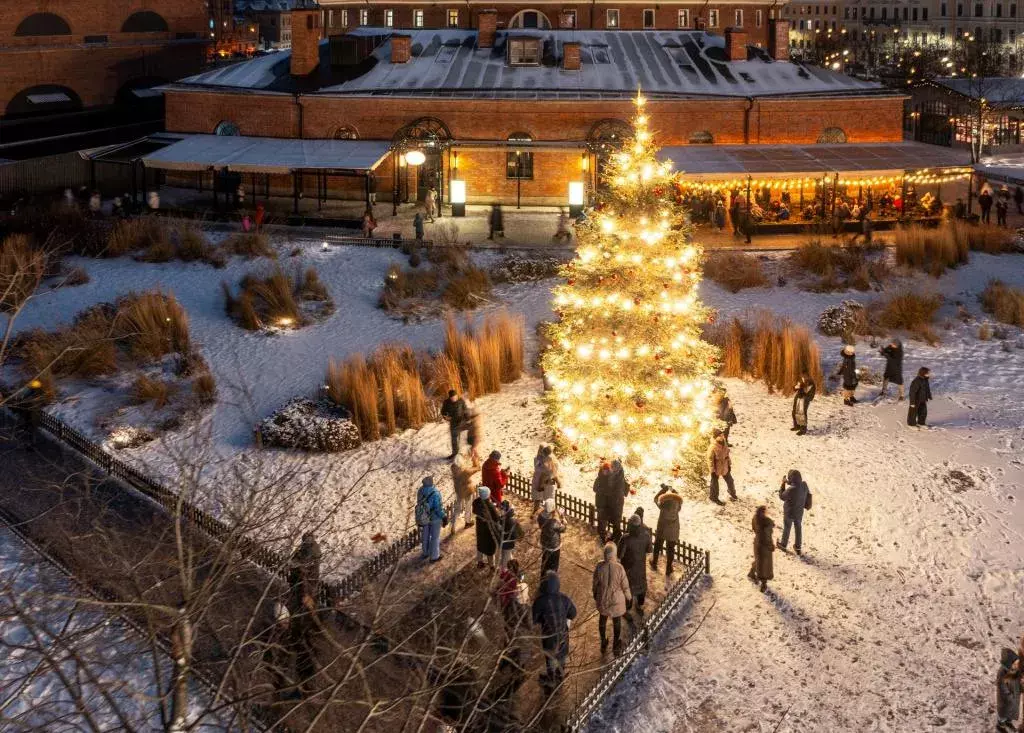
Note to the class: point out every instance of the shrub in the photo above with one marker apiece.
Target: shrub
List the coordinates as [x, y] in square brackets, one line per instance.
[22, 268]
[274, 299]
[75, 277]
[145, 389]
[275, 294]
[307, 425]
[929, 250]
[152, 324]
[982, 237]
[908, 311]
[191, 244]
[466, 288]
[148, 233]
[312, 288]
[85, 349]
[1003, 302]
[249, 245]
[839, 267]
[735, 271]
[401, 284]
[204, 388]
[519, 269]
[813, 256]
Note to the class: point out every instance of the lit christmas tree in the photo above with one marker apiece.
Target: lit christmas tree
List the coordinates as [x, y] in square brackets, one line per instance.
[628, 371]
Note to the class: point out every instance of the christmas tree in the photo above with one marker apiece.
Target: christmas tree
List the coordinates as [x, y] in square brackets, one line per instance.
[629, 375]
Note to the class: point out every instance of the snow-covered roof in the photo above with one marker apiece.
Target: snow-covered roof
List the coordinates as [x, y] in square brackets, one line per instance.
[262, 6]
[994, 89]
[448, 63]
[268, 154]
[768, 160]
[1009, 168]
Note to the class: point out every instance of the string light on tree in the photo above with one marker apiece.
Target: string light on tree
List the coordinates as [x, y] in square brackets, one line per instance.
[629, 374]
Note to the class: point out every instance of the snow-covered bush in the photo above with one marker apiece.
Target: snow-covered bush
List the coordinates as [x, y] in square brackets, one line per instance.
[518, 269]
[309, 425]
[837, 320]
[128, 436]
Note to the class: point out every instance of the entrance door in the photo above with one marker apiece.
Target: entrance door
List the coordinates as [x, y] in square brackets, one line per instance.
[429, 174]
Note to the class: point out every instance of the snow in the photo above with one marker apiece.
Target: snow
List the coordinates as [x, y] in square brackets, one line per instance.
[49, 639]
[911, 580]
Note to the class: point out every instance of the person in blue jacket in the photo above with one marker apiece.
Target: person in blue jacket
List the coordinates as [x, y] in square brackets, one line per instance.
[430, 517]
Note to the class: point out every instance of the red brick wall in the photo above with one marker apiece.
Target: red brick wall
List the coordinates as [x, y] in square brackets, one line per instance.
[96, 73]
[801, 121]
[259, 116]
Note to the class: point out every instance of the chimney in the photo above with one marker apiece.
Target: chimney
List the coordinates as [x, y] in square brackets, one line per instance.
[487, 28]
[778, 39]
[571, 56]
[736, 44]
[400, 47]
[306, 32]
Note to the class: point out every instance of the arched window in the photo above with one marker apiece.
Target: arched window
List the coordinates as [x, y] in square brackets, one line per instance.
[346, 132]
[43, 99]
[530, 19]
[832, 135]
[227, 128]
[519, 163]
[608, 134]
[145, 21]
[43, 24]
[702, 137]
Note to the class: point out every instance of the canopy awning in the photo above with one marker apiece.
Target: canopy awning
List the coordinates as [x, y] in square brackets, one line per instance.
[269, 155]
[778, 161]
[1007, 168]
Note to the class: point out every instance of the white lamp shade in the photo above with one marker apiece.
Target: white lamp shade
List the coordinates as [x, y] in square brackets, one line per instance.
[575, 193]
[415, 157]
[458, 191]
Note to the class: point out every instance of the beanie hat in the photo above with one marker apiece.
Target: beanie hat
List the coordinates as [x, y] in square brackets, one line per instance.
[484, 492]
[549, 505]
[635, 520]
[609, 551]
[428, 480]
[495, 455]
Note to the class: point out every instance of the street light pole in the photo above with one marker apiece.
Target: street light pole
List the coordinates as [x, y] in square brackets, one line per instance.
[519, 181]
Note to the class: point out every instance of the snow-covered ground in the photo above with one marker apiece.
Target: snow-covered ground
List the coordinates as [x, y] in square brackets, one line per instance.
[909, 584]
[65, 665]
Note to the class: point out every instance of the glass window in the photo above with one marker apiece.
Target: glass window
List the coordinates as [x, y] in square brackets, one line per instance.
[344, 18]
[453, 18]
[648, 18]
[712, 19]
[519, 163]
[611, 18]
[364, 17]
[924, 13]
[846, 13]
[524, 51]
[737, 19]
[999, 10]
[389, 18]
[683, 18]
[885, 13]
[914, 14]
[959, 10]
[568, 18]
[758, 15]
[978, 10]
[417, 18]
[1013, 11]
[942, 10]
[227, 128]
[906, 14]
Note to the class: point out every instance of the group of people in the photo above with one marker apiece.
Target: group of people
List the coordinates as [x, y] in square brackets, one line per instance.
[1000, 201]
[919, 394]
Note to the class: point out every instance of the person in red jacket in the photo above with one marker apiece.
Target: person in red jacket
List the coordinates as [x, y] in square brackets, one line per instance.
[494, 477]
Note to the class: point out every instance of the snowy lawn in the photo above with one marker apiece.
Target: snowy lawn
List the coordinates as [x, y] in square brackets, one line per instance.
[909, 583]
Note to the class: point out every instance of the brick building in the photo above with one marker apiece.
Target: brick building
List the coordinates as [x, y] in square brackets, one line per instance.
[515, 115]
[66, 56]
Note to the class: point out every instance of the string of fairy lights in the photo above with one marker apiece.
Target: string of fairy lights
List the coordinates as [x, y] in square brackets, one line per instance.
[629, 375]
[921, 177]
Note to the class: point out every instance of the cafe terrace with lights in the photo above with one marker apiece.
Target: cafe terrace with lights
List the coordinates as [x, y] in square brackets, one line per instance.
[528, 117]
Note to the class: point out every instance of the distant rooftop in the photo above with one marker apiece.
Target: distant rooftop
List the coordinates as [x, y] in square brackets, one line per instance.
[447, 63]
[1007, 91]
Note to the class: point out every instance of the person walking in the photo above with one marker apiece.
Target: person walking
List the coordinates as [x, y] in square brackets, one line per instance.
[633, 551]
[369, 223]
[430, 204]
[804, 392]
[795, 497]
[463, 471]
[726, 414]
[610, 489]
[430, 518]
[488, 527]
[847, 369]
[612, 597]
[549, 519]
[261, 214]
[474, 424]
[985, 202]
[719, 215]
[494, 477]
[454, 411]
[304, 574]
[511, 531]
[546, 477]
[562, 232]
[920, 394]
[495, 222]
[1018, 198]
[371, 190]
[666, 534]
[417, 226]
[720, 464]
[893, 353]
[1002, 205]
[553, 611]
[761, 569]
[1008, 690]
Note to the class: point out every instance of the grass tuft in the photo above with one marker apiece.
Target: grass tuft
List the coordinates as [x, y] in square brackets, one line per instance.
[735, 271]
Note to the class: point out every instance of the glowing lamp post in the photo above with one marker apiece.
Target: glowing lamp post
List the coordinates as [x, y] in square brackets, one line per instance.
[415, 157]
[458, 197]
[575, 199]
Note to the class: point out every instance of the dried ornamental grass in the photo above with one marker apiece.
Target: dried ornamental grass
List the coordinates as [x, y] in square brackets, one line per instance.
[735, 271]
[152, 324]
[22, 269]
[1003, 302]
[145, 389]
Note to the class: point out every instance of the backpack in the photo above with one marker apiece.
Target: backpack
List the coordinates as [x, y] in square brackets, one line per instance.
[423, 511]
[808, 502]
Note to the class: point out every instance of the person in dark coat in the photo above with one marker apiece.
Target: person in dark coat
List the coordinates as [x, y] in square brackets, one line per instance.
[1018, 198]
[633, 550]
[553, 610]
[793, 493]
[1001, 207]
[511, 531]
[761, 569]
[726, 414]
[610, 489]
[1008, 691]
[304, 573]
[417, 226]
[549, 519]
[985, 201]
[893, 353]
[847, 369]
[371, 190]
[666, 534]
[804, 392]
[454, 411]
[495, 222]
[920, 394]
[488, 527]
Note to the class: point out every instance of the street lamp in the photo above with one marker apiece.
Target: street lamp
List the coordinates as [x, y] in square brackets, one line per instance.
[415, 157]
[458, 197]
